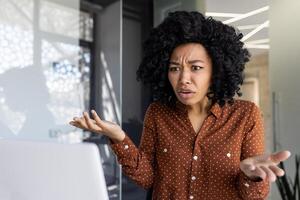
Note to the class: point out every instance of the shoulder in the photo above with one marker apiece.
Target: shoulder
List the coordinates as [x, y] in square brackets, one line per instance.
[244, 107]
[245, 104]
[156, 111]
[157, 107]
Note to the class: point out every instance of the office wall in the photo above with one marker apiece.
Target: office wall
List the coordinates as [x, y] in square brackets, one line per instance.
[132, 51]
[258, 68]
[284, 75]
[161, 8]
[110, 26]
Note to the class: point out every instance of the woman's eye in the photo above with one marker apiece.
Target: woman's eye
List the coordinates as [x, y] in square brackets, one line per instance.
[196, 67]
[173, 69]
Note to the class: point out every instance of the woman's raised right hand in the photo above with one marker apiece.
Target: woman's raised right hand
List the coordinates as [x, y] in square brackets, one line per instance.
[97, 125]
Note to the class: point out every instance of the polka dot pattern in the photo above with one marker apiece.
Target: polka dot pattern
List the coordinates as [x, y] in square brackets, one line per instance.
[182, 164]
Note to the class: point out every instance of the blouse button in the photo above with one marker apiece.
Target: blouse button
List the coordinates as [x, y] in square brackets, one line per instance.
[191, 197]
[165, 150]
[247, 185]
[195, 157]
[126, 146]
[193, 178]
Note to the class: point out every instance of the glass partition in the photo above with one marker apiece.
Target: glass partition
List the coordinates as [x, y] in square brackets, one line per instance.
[42, 83]
[58, 59]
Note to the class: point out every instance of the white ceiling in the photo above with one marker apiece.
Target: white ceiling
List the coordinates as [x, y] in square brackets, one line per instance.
[243, 7]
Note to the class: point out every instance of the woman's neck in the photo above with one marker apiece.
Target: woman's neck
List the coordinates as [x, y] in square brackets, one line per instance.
[200, 108]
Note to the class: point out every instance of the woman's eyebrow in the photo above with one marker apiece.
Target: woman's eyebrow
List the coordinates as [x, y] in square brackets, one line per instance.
[194, 61]
[174, 63]
[190, 62]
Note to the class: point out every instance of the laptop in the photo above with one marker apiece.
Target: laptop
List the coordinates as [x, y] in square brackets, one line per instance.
[35, 170]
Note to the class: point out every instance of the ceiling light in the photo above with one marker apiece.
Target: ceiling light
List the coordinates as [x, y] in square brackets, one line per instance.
[217, 14]
[257, 46]
[261, 41]
[263, 25]
[254, 12]
[246, 27]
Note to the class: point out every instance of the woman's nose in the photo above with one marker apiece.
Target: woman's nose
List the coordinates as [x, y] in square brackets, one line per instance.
[185, 77]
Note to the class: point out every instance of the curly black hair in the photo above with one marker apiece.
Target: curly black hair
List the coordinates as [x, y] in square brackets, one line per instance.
[221, 41]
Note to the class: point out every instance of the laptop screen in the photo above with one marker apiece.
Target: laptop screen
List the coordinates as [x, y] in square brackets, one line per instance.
[32, 170]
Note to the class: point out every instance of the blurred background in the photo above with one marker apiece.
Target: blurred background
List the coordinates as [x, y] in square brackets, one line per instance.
[59, 58]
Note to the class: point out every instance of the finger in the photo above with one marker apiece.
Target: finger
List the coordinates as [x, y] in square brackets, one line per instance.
[262, 158]
[250, 167]
[276, 170]
[271, 176]
[247, 166]
[81, 122]
[280, 156]
[77, 119]
[258, 172]
[88, 120]
[96, 117]
[73, 123]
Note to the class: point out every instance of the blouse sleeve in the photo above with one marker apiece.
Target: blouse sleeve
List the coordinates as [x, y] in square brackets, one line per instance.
[253, 145]
[138, 163]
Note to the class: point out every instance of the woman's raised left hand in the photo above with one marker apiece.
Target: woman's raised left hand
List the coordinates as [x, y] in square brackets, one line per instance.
[265, 166]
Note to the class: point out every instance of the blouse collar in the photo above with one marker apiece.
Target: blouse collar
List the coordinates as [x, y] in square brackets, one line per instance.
[215, 109]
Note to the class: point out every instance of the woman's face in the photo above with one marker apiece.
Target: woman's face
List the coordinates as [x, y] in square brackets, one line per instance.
[190, 73]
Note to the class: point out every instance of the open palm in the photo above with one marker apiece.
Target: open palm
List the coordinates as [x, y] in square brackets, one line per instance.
[264, 166]
[97, 125]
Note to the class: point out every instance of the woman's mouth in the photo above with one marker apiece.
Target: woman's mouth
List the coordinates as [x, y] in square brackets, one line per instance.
[186, 94]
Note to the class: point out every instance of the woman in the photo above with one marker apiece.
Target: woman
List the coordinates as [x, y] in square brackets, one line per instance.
[198, 142]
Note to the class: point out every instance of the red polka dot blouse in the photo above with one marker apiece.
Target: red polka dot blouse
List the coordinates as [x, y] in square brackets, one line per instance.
[182, 164]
